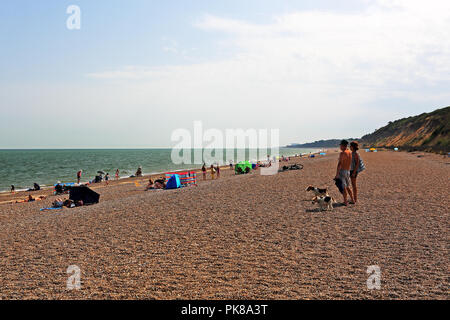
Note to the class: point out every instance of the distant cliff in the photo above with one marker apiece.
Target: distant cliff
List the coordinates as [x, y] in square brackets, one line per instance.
[331, 143]
[428, 131]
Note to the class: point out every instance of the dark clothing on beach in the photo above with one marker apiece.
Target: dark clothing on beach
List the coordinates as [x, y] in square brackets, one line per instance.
[353, 164]
[59, 189]
[339, 184]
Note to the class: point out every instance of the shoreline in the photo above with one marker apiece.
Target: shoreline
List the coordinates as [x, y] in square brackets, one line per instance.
[145, 175]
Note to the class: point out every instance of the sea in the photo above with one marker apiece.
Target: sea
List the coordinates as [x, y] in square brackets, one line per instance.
[22, 168]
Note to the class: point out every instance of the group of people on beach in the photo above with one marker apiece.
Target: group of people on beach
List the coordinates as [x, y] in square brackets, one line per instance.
[36, 187]
[106, 177]
[68, 203]
[30, 198]
[213, 170]
[158, 184]
[348, 167]
[98, 178]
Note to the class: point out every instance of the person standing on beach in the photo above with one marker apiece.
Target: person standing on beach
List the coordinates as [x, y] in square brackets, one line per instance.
[218, 171]
[356, 167]
[204, 171]
[343, 170]
[117, 174]
[13, 189]
[213, 172]
[79, 176]
[107, 178]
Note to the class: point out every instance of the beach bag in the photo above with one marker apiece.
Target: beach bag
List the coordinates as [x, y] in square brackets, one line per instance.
[361, 166]
[339, 184]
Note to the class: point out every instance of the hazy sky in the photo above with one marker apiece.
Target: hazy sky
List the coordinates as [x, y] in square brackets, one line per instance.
[138, 70]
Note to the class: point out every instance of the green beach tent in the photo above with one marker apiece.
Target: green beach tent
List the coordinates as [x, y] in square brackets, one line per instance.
[243, 167]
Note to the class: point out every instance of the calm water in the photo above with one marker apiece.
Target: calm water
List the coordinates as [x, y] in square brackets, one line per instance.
[24, 167]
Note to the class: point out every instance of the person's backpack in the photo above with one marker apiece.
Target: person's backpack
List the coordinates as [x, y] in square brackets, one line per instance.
[361, 166]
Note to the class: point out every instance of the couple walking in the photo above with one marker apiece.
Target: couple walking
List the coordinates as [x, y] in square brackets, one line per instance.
[349, 165]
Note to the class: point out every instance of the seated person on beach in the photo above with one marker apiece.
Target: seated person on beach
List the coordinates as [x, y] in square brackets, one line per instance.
[13, 189]
[59, 189]
[139, 172]
[150, 185]
[160, 183]
[58, 203]
[68, 203]
[79, 203]
[36, 187]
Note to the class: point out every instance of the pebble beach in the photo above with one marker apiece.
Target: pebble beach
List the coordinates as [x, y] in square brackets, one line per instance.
[240, 237]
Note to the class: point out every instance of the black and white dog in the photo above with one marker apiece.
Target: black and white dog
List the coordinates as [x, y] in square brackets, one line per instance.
[325, 202]
[318, 192]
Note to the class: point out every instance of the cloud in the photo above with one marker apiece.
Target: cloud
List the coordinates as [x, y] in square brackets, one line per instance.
[312, 62]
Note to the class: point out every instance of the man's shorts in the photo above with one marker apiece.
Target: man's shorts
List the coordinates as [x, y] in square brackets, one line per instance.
[344, 175]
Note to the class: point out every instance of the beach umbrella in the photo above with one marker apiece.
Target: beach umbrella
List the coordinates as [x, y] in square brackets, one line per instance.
[101, 172]
[87, 195]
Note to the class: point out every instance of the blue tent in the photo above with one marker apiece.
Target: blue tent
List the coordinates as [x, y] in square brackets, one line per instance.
[174, 182]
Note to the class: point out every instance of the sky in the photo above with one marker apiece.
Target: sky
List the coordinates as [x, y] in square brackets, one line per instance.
[138, 70]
